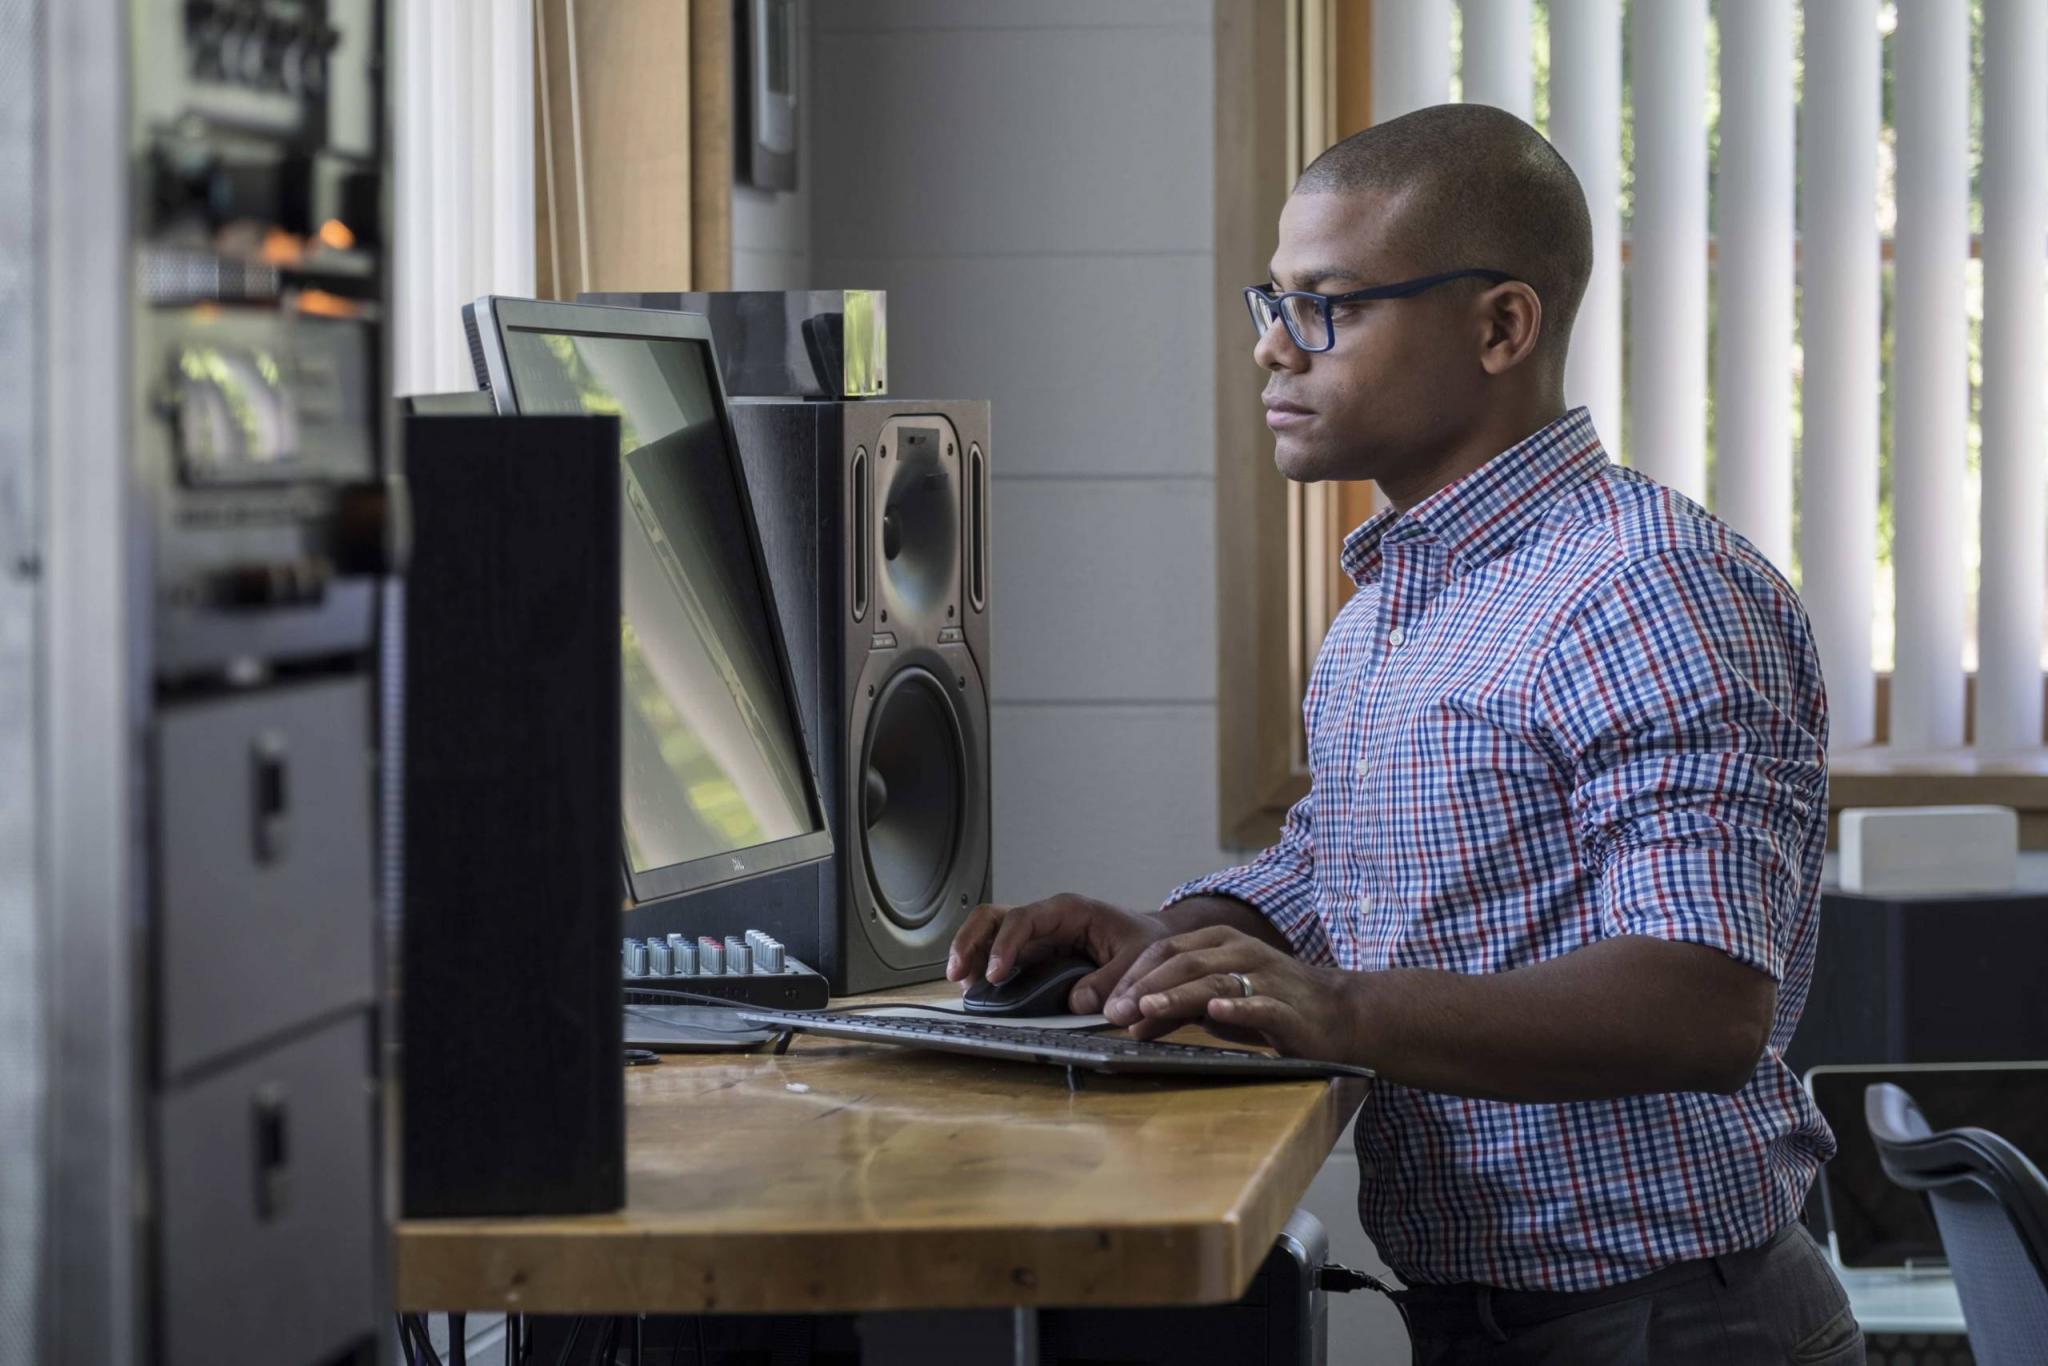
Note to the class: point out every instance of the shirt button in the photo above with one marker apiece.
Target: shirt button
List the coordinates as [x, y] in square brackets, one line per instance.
[1363, 768]
[1397, 637]
[1365, 905]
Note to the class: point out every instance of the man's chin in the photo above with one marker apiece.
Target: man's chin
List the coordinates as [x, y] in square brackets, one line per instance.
[1303, 463]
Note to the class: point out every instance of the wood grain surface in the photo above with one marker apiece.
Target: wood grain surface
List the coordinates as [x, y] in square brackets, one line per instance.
[844, 1177]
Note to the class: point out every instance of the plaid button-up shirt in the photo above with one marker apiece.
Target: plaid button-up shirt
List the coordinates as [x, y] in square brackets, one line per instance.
[1564, 704]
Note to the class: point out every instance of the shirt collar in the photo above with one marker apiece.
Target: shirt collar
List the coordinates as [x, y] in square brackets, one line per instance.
[1487, 511]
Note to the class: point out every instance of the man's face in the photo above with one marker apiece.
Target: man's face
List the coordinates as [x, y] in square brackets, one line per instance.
[1385, 400]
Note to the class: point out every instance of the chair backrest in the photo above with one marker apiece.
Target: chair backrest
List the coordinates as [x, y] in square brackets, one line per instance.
[1991, 1204]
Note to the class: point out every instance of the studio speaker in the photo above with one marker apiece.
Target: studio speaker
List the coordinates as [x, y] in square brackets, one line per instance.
[1925, 978]
[874, 523]
[510, 1016]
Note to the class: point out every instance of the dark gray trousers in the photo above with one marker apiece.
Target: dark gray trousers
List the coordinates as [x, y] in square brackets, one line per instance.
[1779, 1303]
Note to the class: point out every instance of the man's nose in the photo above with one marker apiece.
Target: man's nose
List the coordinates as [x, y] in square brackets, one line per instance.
[1276, 349]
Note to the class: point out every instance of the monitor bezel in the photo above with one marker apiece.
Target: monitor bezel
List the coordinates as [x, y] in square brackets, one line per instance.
[1830, 1177]
[493, 317]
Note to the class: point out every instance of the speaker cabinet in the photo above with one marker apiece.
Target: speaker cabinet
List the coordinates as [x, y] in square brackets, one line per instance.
[510, 1014]
[1925, 978]
[874, 522]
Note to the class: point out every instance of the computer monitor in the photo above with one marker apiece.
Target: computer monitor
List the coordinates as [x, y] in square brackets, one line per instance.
[717, 782]
[1875, 1222]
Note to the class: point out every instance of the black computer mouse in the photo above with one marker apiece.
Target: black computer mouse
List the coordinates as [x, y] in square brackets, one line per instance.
[1038, 988]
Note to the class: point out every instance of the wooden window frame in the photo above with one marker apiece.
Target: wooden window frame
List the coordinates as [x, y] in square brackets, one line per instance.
[1278, 582]
[642, 157]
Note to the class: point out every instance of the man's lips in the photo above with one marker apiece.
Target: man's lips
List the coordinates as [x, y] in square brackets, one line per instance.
[1281, 415]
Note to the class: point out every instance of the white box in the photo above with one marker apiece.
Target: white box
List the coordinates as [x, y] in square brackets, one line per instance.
[1929, 849]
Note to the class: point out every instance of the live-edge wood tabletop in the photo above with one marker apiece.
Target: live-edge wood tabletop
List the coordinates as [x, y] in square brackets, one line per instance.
[844, 1177]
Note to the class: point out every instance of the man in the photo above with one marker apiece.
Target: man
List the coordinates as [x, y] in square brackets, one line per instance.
[1556, 876]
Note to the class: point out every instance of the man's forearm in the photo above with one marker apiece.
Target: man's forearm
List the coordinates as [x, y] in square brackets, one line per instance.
[1625, 1016]
[1200, 912]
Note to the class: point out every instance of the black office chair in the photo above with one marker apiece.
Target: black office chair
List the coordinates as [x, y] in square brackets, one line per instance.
[1991, 1204]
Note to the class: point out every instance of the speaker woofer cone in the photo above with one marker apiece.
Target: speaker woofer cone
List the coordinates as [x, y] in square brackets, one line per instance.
[912, 792]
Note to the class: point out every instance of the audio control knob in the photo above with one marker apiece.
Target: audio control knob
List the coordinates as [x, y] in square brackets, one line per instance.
[277, 583]
[248, 66]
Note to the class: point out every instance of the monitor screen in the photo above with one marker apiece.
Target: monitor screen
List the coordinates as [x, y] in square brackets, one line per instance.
[713, 760]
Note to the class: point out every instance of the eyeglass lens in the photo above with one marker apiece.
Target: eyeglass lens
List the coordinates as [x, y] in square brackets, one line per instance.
[1304, 320]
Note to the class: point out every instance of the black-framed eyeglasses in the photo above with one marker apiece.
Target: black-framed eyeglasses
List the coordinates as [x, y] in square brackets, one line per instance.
[1308, 317]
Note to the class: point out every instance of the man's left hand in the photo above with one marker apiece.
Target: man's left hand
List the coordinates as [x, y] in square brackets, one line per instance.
[1303, 1011]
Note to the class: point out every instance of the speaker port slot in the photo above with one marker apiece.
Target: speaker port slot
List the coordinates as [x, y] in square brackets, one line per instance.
[977, 505]
[862, 554]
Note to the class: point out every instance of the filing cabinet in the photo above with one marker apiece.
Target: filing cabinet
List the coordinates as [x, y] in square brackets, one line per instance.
[199, 523]
[267, 905]
[269, 1220]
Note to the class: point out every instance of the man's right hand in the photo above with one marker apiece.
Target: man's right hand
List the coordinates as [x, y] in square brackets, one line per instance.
[997, 940]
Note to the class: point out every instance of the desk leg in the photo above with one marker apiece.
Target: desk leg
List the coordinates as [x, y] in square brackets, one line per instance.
[943, 1338]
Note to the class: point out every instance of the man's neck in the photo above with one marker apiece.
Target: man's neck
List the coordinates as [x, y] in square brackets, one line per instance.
[1471, 449]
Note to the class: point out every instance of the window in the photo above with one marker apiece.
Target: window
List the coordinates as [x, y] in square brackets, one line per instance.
[1616, 83]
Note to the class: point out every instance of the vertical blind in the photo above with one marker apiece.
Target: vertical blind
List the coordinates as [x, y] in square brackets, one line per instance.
[1739, 202]
[463, 164]
[1931, 410]
[2015, 197]
[1840, 314]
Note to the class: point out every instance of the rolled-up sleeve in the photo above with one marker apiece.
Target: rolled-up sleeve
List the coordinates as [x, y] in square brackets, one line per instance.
[1685, 698]
[1279, 884]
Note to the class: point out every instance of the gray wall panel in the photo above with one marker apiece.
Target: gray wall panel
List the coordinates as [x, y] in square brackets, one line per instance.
[1015, 141]
[1109, 590]
[90, 734]
[1111, 801]
[1093, 354]
[887, 15]
[23, 1096]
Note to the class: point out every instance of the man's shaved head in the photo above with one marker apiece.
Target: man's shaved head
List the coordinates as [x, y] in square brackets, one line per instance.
[1415, 391]
[1473, 186]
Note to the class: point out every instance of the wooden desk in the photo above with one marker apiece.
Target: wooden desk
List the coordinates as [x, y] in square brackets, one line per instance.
[849, 1177]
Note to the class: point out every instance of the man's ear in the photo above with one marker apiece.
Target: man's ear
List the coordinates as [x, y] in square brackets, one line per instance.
[1511, 318]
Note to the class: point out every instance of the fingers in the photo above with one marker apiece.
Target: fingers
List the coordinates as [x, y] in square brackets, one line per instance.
[1124, 998]
[969, 954]
[1029, 933]
[1203, 952]
[1204, 969]
[1091, 991]
[1190, 999]
[1275, 1020]
[1162, 1012]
